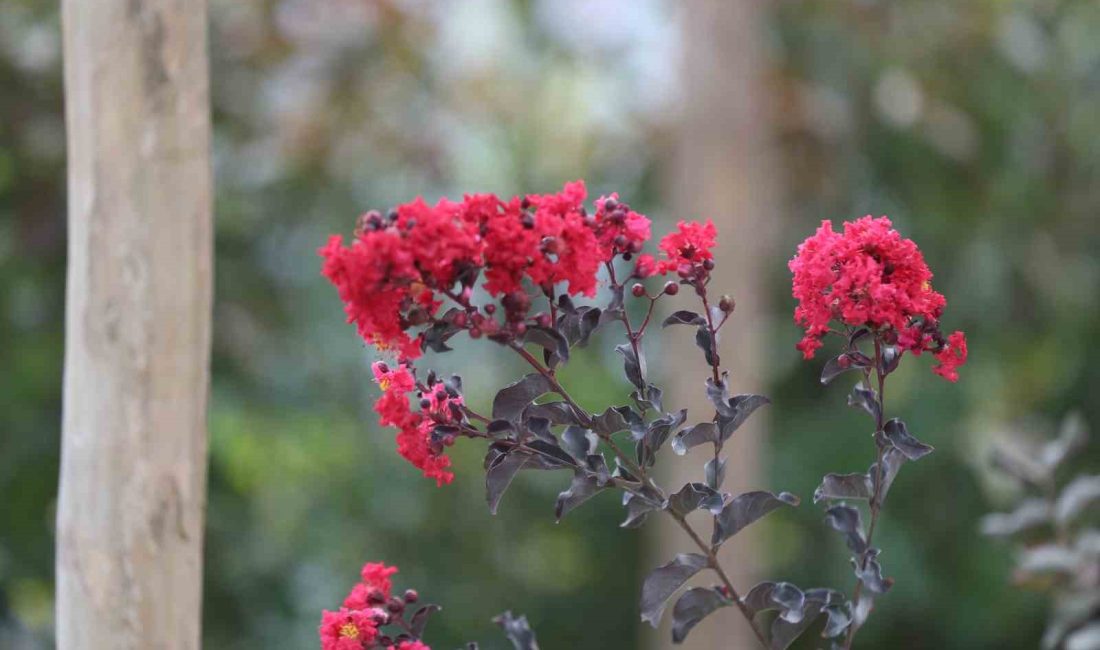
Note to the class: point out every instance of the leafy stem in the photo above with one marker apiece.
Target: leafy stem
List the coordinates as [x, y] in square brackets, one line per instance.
[630, 333]
[716, 566]
[875, 501]
[640, 472]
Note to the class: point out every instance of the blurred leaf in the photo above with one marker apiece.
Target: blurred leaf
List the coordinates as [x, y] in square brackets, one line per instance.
[866, 399]
[706, 343]
[693, 606]
[510, 402]
[898, 435]
[664, 581]
[693, 496]
[518, 631]
[1029, 515]
[746, 509]
[584, 487]
[870, 573]
[694, 436]
[634, 364]
[847, 520]
[844, 486]
[740, 408]
[419, 619]
[1076, 498]
[715, 472]
[684, 317]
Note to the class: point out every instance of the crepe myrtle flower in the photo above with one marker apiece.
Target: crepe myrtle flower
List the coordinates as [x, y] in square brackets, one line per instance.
[869, 276]
[368, 608]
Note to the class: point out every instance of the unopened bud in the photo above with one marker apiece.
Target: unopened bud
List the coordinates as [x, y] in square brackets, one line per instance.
[638, 290]
[671, 288]
[727, 304]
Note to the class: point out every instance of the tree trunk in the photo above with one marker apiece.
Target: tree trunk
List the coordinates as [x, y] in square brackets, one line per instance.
[138, 310]
[724, 170]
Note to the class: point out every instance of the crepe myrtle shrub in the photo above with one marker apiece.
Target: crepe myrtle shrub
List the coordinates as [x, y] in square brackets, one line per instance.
[523, 273]
[1055, 526]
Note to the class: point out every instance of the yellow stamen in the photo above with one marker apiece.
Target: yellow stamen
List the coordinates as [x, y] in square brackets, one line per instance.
[349, 631]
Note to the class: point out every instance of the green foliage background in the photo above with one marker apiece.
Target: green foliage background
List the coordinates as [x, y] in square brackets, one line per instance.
[973, 125]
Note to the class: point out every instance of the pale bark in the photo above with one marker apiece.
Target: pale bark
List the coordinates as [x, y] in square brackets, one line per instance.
[724, 170]
[138, 311]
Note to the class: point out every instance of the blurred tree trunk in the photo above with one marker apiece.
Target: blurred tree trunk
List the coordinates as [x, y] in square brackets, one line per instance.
[133, 470]
[724, 171]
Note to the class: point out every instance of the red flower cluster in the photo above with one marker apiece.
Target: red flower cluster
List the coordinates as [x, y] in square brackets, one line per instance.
[367, 607]
[348, 629]
[687, 250]
[869, 276]
[438, 405]
[393, 276]
[619, 229]
[951, 356]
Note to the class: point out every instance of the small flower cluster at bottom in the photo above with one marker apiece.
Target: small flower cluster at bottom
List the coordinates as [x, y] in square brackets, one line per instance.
[368, 607]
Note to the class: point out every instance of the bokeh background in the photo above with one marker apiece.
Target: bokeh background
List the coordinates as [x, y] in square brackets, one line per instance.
[975, 126]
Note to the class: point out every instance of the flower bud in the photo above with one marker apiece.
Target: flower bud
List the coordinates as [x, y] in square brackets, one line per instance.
[610, 205]
[671, 288]
[395, 605]
[708, 264]
[727, 304]
[379, 617]
[520, 328]
[543, 319]
[376, 597]
[425, 404]
[490, 309]
[638, 290]
[475, 332]
[411, 596]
